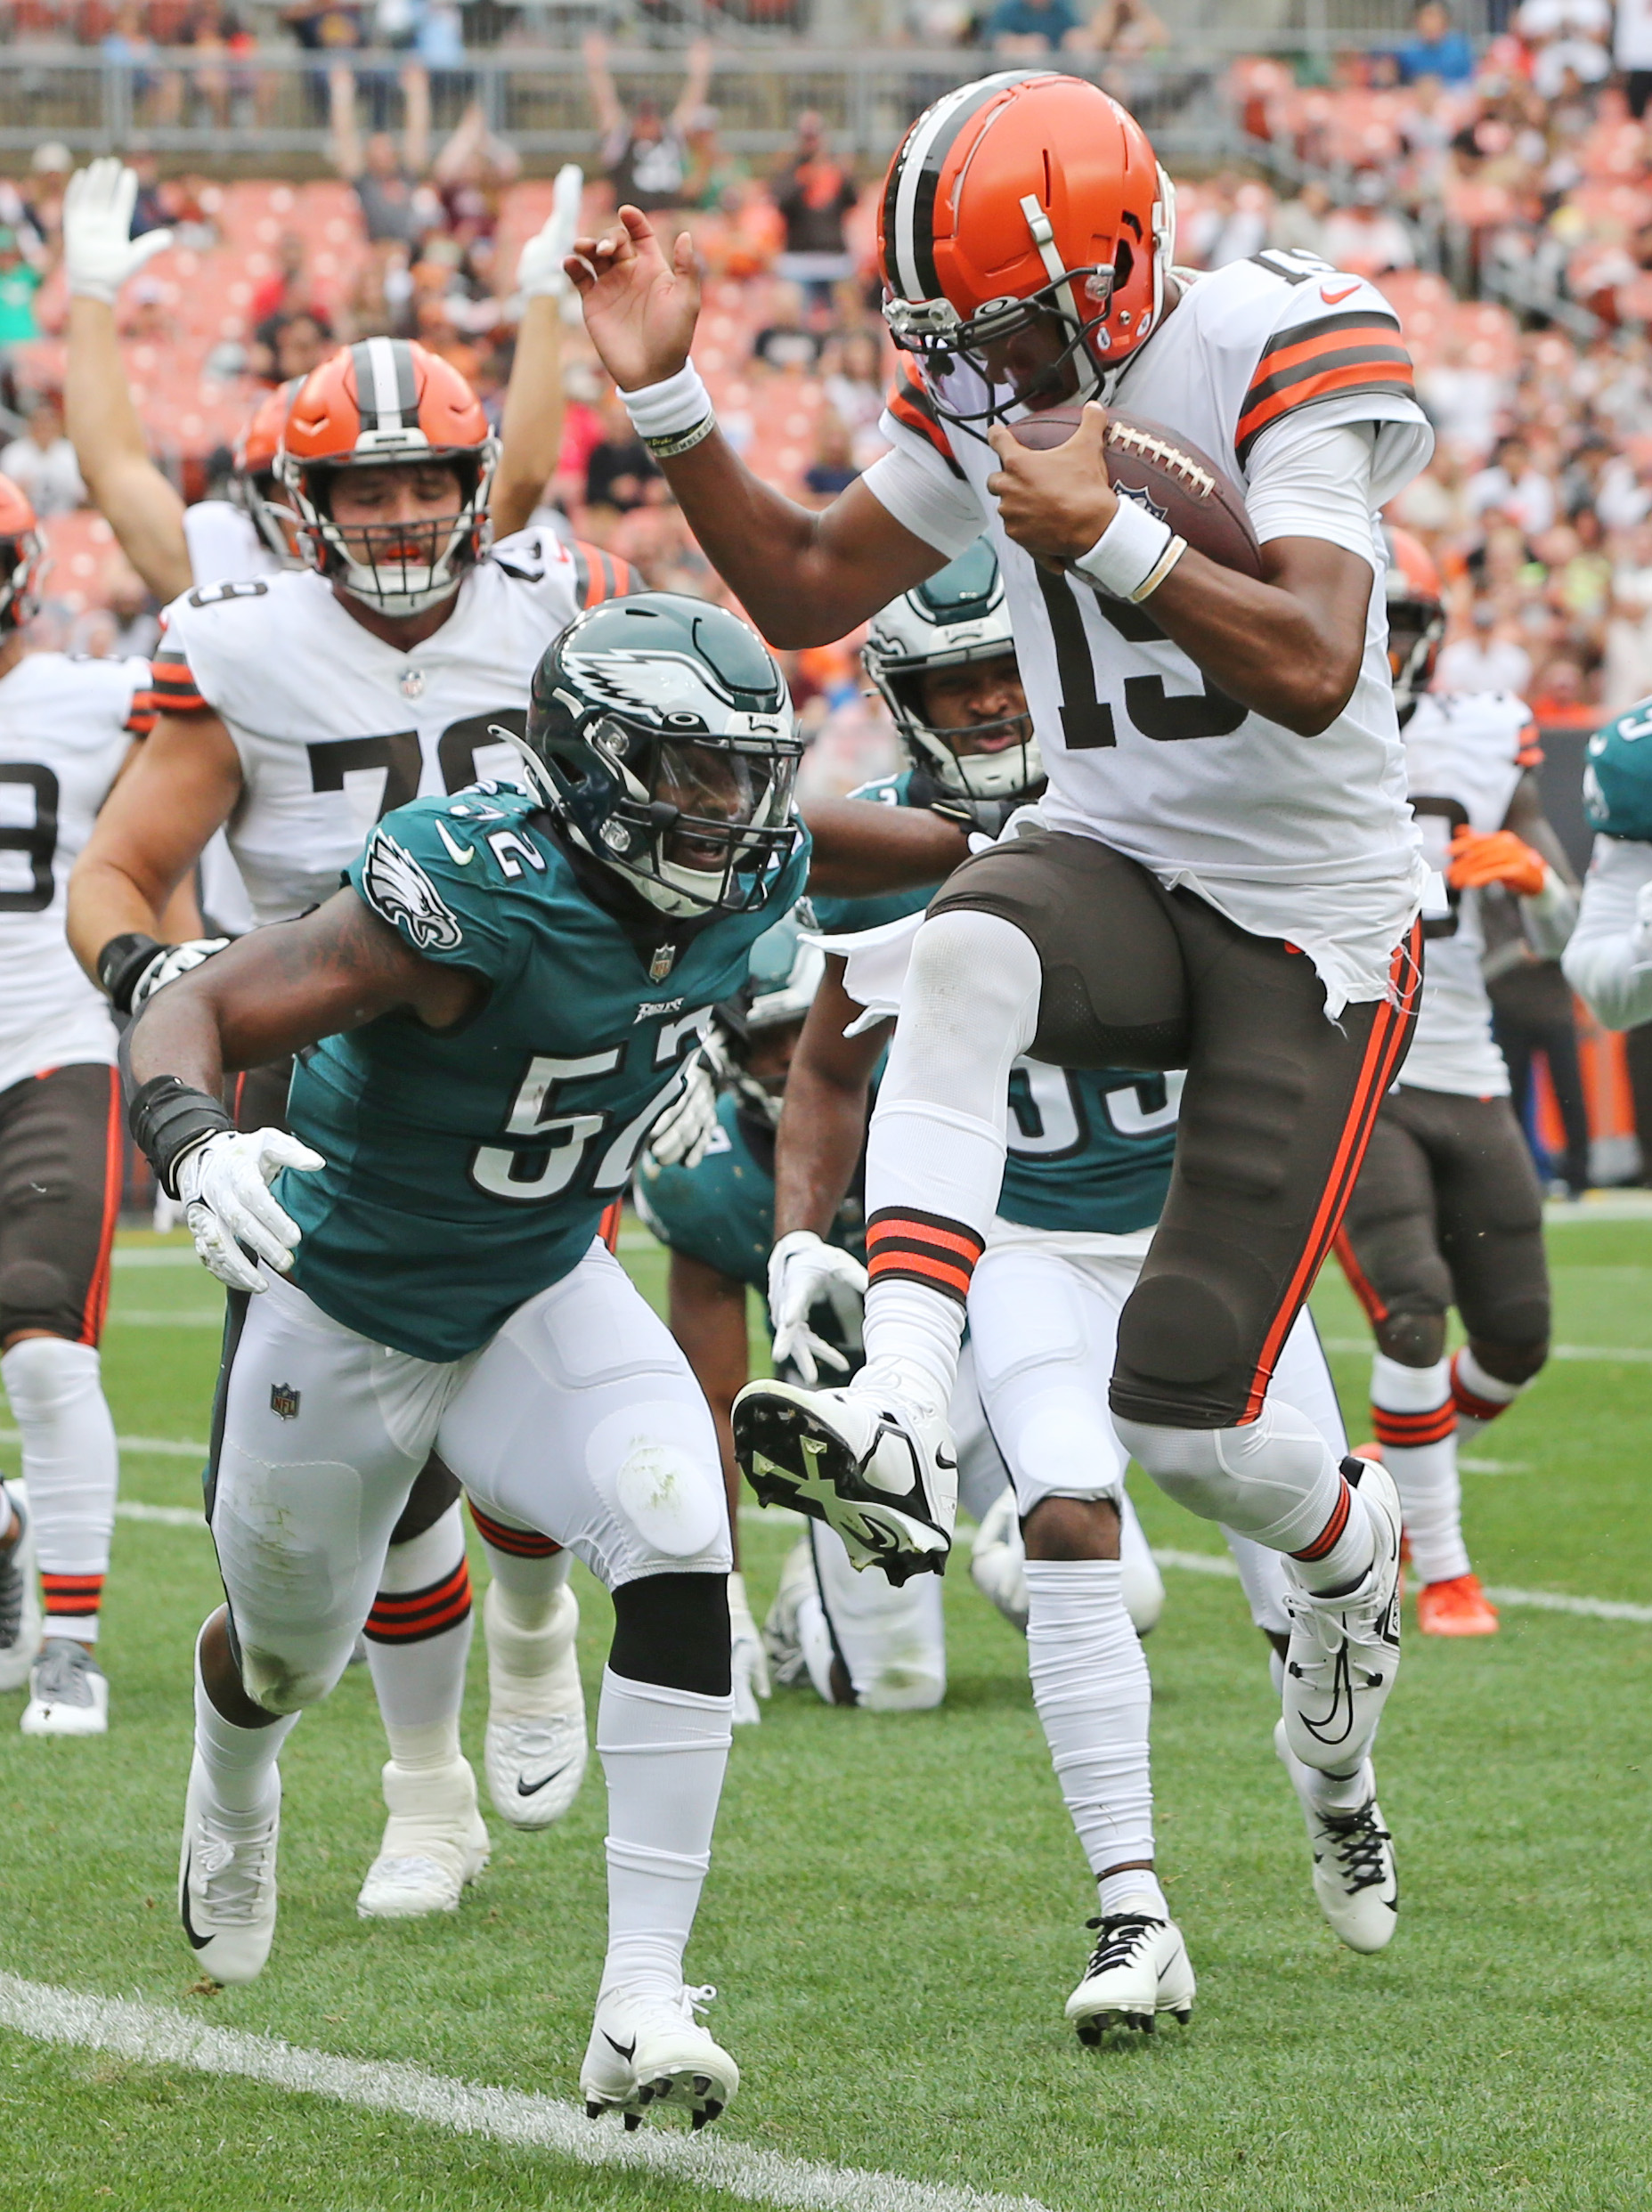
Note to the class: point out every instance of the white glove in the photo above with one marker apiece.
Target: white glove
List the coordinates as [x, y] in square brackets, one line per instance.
[679, 1137]
[540, 272]
[750, 1662]
[170, 963]
[225, 1184]
[99, 252]
[803, 1271]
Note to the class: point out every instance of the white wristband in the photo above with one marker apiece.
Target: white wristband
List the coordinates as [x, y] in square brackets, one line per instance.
[667, 409]
[1128, 551]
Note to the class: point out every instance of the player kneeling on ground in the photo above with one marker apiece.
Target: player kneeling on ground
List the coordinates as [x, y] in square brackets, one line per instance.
[499, 1006]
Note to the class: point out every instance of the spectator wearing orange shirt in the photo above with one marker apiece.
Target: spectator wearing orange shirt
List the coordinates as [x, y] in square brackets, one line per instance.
[813, 193]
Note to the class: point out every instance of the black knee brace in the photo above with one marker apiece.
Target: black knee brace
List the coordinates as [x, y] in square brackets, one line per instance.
[672, 1630]
[1413, 1339]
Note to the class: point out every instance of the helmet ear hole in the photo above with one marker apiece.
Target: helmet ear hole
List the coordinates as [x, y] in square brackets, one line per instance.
[1124, 262]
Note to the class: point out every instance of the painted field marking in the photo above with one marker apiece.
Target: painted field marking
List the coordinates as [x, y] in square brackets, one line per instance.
[1633, 1353]
[158, 2035]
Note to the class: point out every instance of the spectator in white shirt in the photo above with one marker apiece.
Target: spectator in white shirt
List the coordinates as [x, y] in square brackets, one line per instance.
[1513, 486]
[1484, 660]
[41, 464]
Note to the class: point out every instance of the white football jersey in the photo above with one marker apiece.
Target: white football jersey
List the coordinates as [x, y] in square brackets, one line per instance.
[1303, 838]
[1462, 762]
[65, 725]
[334, 728]
[223, 539]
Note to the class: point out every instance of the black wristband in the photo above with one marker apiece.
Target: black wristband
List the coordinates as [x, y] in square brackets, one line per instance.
[167, 1119]
[122, 962]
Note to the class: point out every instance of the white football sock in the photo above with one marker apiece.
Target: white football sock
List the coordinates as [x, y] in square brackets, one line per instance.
[72, 1468]
[663, 1751]
[1336, 1795]
[529, 1570]
[1137, 1890]
[418, 1640]
[1415, 1423]
[1274, 1480]
[935, 1149]
[1094, 1700]
[239, 1763]
[1479, 1397]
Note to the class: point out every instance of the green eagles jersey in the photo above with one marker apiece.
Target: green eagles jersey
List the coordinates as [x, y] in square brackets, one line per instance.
[1617, 776]
[1090, 1150]
[467, 1170]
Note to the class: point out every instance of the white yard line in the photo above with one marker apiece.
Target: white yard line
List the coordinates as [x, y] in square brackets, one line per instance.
[155, 1447]
[157, 2036]
[1633, 1353]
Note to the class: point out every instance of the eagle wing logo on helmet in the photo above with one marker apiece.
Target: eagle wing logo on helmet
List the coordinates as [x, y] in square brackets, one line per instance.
[402, 892]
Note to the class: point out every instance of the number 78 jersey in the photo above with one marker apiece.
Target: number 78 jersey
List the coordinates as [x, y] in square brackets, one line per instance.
[334, 728]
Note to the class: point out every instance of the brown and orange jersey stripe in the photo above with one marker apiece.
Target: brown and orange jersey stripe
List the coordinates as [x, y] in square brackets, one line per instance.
[913, 409]
[175, 690]
[141, 714]
[1360, 351]
[600, 574]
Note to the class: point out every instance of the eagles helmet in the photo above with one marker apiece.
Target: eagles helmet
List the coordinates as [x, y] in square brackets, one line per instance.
[779, 988]
[957, 617]
[1617, 776]
[660, 732]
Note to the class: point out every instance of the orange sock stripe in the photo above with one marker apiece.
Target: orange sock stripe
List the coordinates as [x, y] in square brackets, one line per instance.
[936, 1275]
[75, 1597]
[923, 1233]
[1434, 1426]
[906, 1247]
[1327, 1538]
[409, 1616]
[1477, 1409]
[519, 1543]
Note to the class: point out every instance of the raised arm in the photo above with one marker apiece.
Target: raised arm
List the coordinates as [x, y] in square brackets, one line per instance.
[805, 576]
[610, 114]
[695, 84]
[531, 427]
[861, 849]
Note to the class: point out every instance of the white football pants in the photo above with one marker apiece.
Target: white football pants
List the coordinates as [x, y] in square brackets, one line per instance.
[581, 1418]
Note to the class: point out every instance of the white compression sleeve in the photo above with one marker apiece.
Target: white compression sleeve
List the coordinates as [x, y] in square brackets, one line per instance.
[1306, 479]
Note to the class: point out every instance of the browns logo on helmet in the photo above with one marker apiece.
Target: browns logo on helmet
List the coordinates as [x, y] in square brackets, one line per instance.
[22, 556]
[254, 485]
[1026, 195]
[388, 403]
[1416, 614]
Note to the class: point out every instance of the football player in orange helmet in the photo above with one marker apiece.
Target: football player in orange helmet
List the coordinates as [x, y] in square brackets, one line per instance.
[254, 485]
[1447, 1209]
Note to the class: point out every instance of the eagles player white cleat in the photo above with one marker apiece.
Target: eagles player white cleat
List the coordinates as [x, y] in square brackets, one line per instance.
[883, 1475]
[435, 1843]
[1354, 1877]
[1138, 1968]
[19, 1599]
[783, 1642]
[647, 2053]
[748, 1659]
[226, 1882]
[67, 1692]
[535, 1748]
[1345, 1652]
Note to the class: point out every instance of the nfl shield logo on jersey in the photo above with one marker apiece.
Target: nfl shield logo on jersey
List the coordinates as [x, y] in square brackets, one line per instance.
[664, 961]
[284, 1402]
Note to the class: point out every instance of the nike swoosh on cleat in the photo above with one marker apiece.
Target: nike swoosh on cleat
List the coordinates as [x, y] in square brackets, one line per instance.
[627, 2051]
[531, 1789]
[198, 1942]
[1341, 1706]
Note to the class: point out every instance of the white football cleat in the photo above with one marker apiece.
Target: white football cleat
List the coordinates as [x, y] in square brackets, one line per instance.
[749, 1661]
[883, 1474]
[1138, 1968]
[999, 1560]
[435, 1843]
[19, 1599]
[67, 1692]
[783, 1641]
[226, 1882]
[647, 2053]
[1345, 1652]
[1354, 1877]
[536, 1748]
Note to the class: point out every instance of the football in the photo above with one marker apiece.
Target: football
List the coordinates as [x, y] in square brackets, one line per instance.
[1167, 474]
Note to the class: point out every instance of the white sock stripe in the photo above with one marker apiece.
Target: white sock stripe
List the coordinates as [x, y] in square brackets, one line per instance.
[156, 2036]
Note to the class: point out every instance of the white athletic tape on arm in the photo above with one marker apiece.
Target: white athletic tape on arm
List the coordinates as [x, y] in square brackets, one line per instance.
[1133, 554]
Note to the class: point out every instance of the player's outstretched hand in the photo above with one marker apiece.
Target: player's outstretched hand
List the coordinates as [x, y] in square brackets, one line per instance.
[1055, 502]
[641, 309]
[540, 273]
[1482, 856]
[99, 252]
[804, 1273]
[225, 1184]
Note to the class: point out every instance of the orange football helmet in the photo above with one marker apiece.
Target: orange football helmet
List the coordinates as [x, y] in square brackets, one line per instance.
[1026, 194]
[252, 483]
[388, 401]
[1416, 615]
[22, 556]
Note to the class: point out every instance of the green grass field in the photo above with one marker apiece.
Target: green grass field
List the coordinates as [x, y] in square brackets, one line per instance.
[894, 1913]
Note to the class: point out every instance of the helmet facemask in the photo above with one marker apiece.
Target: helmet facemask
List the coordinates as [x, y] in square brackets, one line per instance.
[22, 561]
[1415, 629]
[260, 498]
[399, 568]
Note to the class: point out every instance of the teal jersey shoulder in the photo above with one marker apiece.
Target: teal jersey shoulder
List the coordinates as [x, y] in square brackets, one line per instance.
[836, 916]
[467, 1169]
[1617, 776]
[721, 1211]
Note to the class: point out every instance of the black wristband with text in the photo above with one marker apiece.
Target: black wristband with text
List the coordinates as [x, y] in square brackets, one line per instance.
[122, 961]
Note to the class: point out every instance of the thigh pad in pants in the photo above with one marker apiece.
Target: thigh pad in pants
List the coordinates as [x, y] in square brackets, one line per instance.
[1044, 1330]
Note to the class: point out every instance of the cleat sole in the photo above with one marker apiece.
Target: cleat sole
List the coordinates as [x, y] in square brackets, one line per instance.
[633, 2120]
[769, 1439]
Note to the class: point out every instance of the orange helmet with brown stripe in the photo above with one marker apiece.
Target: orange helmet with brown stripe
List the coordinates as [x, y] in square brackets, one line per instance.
[22, 556]
[1416, 615]
[254, 485]
[389, 404]
[1026, 197]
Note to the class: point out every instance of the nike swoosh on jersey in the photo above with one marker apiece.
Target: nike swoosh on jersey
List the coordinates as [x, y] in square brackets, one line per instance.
[533, 1789]
[461, 854]
[1335, 300]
